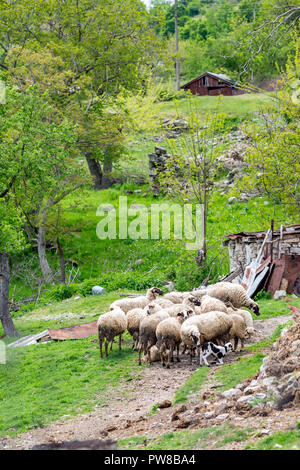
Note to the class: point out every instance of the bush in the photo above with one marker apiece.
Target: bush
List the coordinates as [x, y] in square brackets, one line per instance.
[60, 292]
[262, 295]
[110, 281]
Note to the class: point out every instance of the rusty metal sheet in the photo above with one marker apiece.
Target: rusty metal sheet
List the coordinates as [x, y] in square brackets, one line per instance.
[74, 332]
[276, 277]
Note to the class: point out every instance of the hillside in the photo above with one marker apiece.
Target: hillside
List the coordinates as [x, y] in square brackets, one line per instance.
[66, 392]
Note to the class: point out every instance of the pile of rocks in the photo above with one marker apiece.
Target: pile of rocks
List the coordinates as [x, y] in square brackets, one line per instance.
[174, 128]
[157, 165]
[275, 387]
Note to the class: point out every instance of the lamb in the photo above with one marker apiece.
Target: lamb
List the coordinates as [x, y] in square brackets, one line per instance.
[128, 303]
[199, 329]
[238, 330]
[154, 355]
[246, 316]
[230, 293]
[219, 352]
[168, 336]
[110, 325]
[147, 332]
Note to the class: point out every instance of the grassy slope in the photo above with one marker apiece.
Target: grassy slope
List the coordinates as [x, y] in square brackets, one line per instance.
[40, 384]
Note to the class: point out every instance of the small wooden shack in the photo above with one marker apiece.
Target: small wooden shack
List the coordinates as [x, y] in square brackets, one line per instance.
[212, 84]
[273, 256]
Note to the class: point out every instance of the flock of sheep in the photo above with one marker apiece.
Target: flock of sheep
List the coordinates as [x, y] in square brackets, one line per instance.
[159, 326]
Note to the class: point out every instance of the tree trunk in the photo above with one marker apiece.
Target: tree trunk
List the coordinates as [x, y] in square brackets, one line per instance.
[5, 317]
[41, 244]
[106, 179]
[62, 262]
[95, 170]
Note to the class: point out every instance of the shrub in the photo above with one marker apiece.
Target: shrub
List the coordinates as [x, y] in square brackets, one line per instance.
[262, 295]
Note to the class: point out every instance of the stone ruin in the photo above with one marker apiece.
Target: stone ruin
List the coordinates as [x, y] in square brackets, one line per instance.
[157, 165]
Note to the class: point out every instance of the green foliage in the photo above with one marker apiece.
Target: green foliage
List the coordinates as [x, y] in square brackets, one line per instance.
[192, 386]
[275, 150]
[188, 440]
[288, 440]
[262, 295]
[40, 384]
[229, 375]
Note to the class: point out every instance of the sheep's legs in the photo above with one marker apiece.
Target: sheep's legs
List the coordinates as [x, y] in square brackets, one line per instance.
[242, 344]
[170, 356]
[120, 341]
[236, 340]
[106, 347]
[100, 346]
[178, 358]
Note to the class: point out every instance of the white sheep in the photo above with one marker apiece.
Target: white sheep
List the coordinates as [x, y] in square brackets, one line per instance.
[199, 329]
[154, 355]
[128, 303]
[163, 303]
[134, 318]
[147, 332]
[176, 297]
[168, 336]
[230, 293]
[211, 304]
[250, 330]
[238, 330]
[110, 325]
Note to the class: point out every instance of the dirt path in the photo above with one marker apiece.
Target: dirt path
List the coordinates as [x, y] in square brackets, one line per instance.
[128, 412]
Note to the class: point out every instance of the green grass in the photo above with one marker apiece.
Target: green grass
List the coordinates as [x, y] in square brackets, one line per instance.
[229, 375]
[192, 386]
[42, 383]
[289, 440]
[187, 440]
[241, 106]
[268, 341]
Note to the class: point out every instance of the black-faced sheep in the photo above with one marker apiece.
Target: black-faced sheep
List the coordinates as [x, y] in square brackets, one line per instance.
[110, 325]
[128, 303]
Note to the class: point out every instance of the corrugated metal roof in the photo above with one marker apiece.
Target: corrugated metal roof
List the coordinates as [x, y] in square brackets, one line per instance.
[288, 231]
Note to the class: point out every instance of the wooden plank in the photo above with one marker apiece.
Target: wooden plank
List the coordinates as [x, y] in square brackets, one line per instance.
[27, 340]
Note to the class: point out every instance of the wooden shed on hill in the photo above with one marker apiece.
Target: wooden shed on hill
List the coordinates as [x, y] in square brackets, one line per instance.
[212, 84]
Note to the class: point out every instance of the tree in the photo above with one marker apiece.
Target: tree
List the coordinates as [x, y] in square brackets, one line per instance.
[11, 240]
[193, 166]
[89, 49]
[37, 164]
[273, 157]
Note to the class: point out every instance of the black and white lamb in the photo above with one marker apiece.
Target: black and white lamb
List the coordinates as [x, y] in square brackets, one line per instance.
[211, 349]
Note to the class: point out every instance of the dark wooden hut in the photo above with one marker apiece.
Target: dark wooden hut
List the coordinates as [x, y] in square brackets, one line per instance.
[212, 84]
